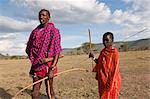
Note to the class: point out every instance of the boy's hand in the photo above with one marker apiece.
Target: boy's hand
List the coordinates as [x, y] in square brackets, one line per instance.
[107, 86]
[91, 55]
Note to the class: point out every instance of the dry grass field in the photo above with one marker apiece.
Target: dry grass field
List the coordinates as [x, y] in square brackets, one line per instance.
[134, 67]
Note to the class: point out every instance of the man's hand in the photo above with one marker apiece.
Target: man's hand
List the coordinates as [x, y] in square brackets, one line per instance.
[51, 72]
[91, 55]
[44, 60]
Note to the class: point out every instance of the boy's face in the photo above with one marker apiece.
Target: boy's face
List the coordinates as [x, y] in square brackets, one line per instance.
[107, 41]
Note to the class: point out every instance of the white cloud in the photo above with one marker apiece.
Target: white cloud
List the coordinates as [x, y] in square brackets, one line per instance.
[120, 17]
[71, 37]
[127, 1]
[12, 43]
[68, 11]
[137, 15]
[8, 24]
[6, 44]
[134, 19]
[73, 40]
[23, 17]
[125, 34]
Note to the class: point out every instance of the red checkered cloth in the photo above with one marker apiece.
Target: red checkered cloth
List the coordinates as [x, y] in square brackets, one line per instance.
[43, 43]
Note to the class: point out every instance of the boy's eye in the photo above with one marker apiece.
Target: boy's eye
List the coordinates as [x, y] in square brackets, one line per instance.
[106, 40]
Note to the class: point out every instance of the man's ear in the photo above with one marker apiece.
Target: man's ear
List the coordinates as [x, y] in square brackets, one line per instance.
[49, 18]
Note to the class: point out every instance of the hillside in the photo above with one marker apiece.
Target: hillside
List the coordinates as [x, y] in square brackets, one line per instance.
[142, 44]
[1, 55]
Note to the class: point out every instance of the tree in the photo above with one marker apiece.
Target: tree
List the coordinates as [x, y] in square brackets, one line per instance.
[86, 47]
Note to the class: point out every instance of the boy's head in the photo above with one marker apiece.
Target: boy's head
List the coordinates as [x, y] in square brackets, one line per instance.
[108, 39]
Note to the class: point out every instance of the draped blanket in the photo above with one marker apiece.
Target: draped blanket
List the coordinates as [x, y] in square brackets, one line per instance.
[43, 43]
[107, 68]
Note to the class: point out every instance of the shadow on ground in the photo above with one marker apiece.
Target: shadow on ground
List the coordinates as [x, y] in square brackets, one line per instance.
[4, 94]
[28, 91]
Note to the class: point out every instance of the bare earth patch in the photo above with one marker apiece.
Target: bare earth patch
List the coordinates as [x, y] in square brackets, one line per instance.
[135, 73]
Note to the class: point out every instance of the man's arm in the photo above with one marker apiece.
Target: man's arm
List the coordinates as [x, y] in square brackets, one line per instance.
[56, 51]
[52, 68]
[55, 61]
[45, 60]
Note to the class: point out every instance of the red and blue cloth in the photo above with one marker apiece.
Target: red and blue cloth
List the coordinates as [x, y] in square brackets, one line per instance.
[43, 43]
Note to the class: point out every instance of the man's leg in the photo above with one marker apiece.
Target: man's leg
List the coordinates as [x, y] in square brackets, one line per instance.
[52, 89]
[52, 93]
[36, 89]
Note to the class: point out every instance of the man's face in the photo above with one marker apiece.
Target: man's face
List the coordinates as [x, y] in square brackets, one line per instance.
[43, 17]
[107, 41]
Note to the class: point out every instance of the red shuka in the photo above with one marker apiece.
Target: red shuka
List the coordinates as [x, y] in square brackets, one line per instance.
[107, 69]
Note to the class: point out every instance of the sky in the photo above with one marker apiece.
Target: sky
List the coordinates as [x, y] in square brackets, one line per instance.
[73, 18]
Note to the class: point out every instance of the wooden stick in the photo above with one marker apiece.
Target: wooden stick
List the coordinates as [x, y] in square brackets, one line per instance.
[48, 86]
[90, 45]
[90, 40]
[47, 78]
[48, 89]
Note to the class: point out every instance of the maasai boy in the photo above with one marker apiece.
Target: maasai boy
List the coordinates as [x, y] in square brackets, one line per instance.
[107, 69]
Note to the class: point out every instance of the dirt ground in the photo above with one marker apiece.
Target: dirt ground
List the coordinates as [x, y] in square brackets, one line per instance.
[134, 67]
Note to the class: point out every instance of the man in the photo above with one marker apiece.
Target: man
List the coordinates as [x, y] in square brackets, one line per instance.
[107, 69]
[42, 47]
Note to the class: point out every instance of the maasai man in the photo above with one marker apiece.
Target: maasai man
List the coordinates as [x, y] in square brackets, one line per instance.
[107, 69]
[43, 44]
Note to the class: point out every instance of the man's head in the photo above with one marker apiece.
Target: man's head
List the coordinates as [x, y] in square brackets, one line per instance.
[44, 16]
[108, 39]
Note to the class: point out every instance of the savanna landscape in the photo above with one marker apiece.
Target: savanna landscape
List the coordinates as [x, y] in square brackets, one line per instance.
[134, 67]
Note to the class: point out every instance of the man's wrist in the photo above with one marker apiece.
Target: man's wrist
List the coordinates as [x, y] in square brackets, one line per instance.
[52, 68]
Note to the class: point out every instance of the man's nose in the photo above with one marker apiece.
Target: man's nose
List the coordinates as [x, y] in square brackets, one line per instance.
[41, 16]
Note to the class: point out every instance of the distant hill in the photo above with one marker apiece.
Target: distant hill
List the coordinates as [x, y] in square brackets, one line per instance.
[1, 55]
[142, 44]
[12, 57]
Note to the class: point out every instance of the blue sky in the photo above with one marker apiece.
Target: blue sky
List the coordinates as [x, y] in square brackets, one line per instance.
[73, 18]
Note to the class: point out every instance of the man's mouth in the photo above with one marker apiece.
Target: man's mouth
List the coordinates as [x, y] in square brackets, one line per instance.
[42, 21]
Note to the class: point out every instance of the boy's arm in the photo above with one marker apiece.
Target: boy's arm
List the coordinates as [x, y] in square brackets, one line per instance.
[91, 55]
